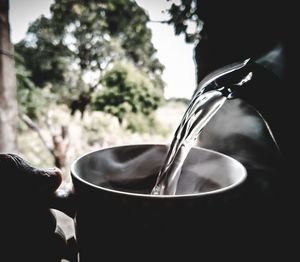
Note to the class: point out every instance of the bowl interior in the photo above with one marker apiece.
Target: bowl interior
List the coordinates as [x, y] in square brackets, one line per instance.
[134, 169]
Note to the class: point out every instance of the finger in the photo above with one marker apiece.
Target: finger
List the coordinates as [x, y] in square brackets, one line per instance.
[27, 177]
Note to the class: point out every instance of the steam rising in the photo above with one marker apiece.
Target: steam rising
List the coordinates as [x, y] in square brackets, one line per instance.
[239, 131]
[134, 169]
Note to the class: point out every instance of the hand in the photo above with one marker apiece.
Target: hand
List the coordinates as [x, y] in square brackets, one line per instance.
[38, 181]
[30, 230]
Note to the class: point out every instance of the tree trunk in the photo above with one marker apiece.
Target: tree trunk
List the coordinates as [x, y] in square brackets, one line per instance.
[8, 104]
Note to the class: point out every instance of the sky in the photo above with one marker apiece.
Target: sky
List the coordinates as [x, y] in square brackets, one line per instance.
[172, 51]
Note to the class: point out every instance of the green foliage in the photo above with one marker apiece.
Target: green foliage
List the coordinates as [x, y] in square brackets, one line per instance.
[32, 100]
[97, 130]
[125, 90]
[84, 38]
[99, 127]
[92, 25]
[44, 53]
[23, 75]
[183, 17]
[35, 102]
[138, 123]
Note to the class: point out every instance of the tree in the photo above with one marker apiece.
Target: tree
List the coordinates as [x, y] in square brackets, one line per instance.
[227, 32]
[81, 40]
[182, 16]
[126, 90]
[8, 105]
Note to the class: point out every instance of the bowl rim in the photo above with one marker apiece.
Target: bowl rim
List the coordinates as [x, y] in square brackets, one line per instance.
[243, 173]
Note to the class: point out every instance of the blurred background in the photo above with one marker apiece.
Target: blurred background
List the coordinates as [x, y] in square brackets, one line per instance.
[92, 74]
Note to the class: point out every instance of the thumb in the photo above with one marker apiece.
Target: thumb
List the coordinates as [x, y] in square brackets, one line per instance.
[16, 170]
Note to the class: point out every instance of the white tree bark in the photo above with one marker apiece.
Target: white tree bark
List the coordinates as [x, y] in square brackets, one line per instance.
[8, 103]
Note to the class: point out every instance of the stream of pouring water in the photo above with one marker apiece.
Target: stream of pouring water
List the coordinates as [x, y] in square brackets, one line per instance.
[205, 103]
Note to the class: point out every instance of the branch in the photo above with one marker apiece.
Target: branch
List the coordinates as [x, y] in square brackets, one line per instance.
[28, 121]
